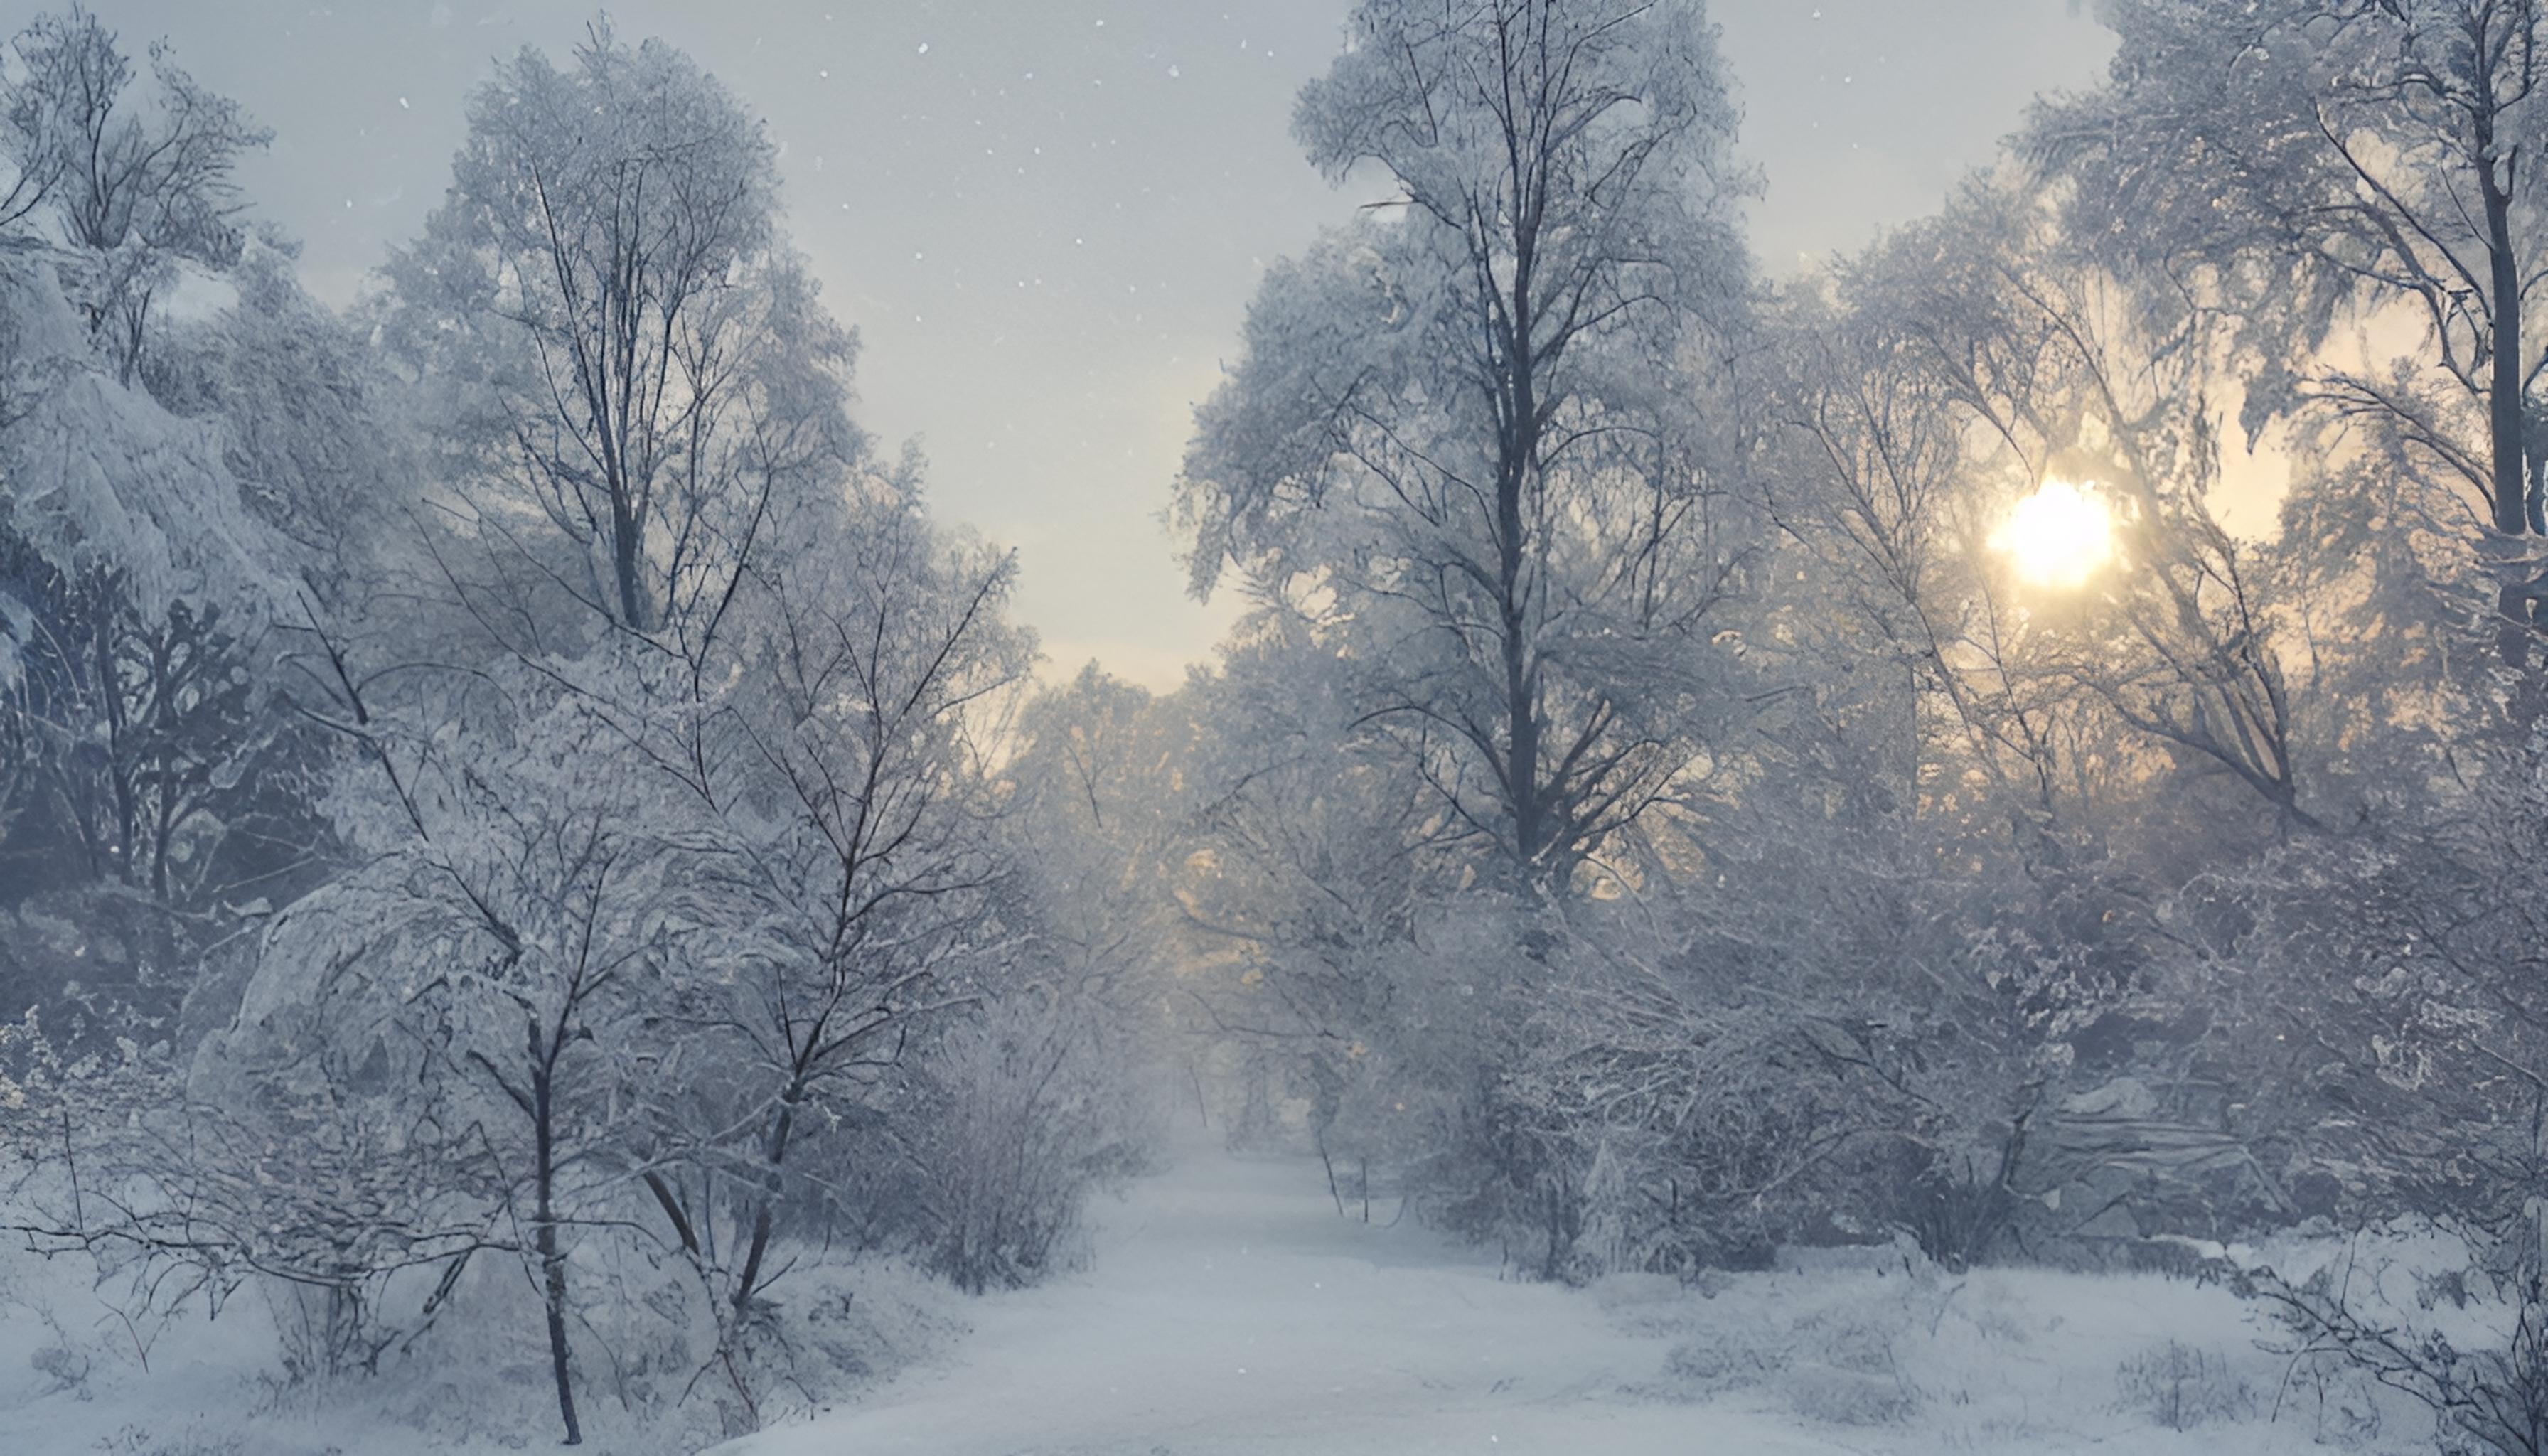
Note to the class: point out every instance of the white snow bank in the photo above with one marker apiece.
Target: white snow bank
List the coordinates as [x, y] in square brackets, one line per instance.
[72, 1382]
[1229, 1311]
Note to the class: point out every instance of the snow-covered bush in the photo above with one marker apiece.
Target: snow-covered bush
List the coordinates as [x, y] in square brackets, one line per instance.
[2180, 1387]
[2454, 1318]
[1629, 1105]
[1838, 1363]
[1843, 1395]
[1721, 1358]
[1021, 1113]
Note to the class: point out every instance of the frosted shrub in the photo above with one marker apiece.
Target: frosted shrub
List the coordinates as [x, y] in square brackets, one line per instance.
[1717, 1359]
[1027, 1117]
[2480, 1363]
[1838, 1396]
[1650, 1127]
[323, 1331]
[1833, 1365]
[1960, 1211]
[2180, 1387]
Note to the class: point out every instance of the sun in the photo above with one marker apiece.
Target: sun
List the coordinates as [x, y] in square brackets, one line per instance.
[2059, 535]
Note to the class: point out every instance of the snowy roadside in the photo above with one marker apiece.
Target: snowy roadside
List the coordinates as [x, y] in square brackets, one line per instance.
[73, 1379]
[1225, 1309]
[1229, 1312]
[1228, 1309]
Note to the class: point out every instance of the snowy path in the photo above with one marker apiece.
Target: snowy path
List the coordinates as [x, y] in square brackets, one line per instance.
[1229, 1312]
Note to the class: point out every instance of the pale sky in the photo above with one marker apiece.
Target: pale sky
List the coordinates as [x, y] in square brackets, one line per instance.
[1045, 217]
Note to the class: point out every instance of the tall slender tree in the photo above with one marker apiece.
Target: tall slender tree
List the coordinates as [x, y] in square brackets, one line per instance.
[634, 363]
[1486, 428]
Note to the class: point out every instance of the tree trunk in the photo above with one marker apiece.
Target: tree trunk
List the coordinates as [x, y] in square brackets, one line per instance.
[776, 1150]
[626, 562]
[2505, 458]
[1521, 708]
[552, 1261]
[2504, 383]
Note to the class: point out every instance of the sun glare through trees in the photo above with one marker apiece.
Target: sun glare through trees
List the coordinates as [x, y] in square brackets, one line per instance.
[2059, 536]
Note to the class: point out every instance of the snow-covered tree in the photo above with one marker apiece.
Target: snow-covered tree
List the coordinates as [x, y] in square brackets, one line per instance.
[313, 423]
[1950, 848]
[135, 605]
[2308, 165]
[1980, 355]
[847, 832]
[136, 184]
[1488, 432]
[631, 362]
[1105, 787]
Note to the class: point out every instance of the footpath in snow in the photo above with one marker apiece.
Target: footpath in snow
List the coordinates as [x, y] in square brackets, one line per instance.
[1227, 1309]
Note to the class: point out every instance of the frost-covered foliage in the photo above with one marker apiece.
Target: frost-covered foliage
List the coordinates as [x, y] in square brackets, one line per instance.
[134, 184]
[632, 366]
[1488, 444]
[151, 784]
[525, 847]
[631, 894]
[2356, 154]
[103, 479]
[137, 583]
[338, 473]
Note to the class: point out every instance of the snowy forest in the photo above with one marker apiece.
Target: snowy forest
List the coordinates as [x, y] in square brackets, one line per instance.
[1945, 850]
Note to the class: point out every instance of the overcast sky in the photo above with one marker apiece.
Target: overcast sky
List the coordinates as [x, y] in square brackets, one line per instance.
[1045, 217]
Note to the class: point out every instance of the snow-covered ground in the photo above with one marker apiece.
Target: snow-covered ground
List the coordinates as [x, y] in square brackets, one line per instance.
[1225, 1309]
[73, 1383]
[1228, 1310]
